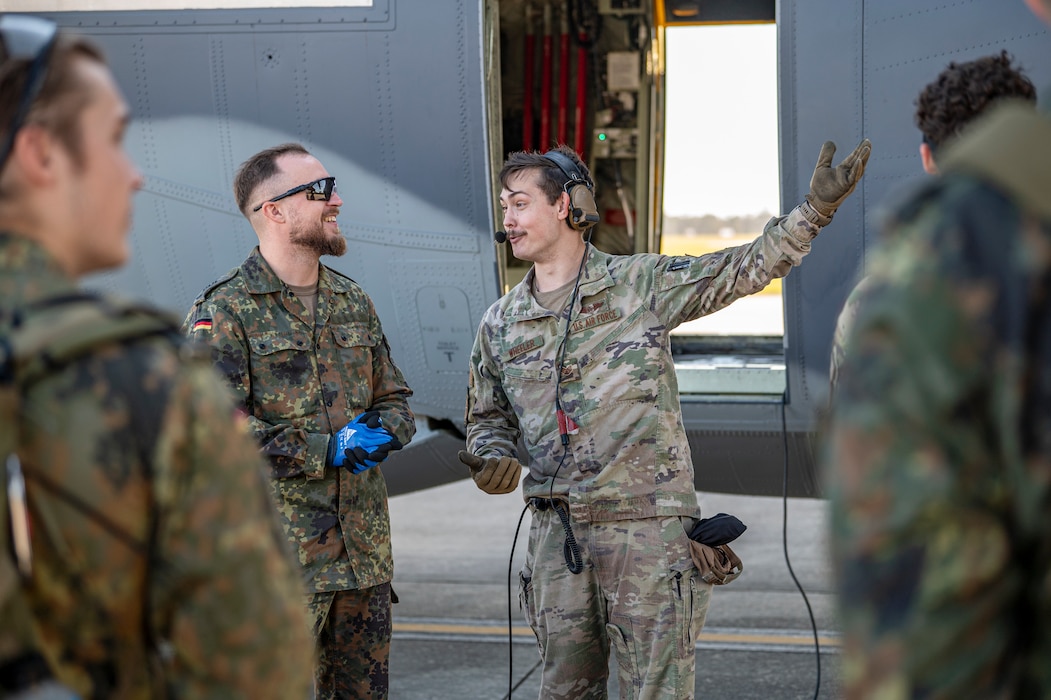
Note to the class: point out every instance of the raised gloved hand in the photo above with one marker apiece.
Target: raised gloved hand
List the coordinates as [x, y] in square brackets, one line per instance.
[361, 444]
[830, 186]
[492, 474]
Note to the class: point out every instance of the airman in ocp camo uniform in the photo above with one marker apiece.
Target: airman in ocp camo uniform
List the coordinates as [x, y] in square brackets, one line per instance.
[585, 377]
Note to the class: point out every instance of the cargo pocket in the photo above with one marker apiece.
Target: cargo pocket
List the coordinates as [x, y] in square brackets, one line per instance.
[527, 601]
[692, 597]
[700, 599]
[693, 594]
[624, 651]
[681, 594]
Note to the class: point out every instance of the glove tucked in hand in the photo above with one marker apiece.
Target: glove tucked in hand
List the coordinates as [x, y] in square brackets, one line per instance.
[492, 474]
[830, 186]
[361, 444]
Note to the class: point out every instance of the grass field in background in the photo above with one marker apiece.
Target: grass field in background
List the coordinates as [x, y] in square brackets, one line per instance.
[699, 244]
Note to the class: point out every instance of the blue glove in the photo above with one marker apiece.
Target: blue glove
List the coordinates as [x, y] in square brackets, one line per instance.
[361, 444]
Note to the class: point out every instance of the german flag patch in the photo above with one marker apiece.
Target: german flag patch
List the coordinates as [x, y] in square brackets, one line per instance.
[202, 324]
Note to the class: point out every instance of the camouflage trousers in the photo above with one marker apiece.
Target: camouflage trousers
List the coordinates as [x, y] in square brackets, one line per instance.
[352, 630]
[639, 592]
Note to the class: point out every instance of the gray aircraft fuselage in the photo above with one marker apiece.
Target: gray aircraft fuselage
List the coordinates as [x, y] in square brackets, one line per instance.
[406, 103]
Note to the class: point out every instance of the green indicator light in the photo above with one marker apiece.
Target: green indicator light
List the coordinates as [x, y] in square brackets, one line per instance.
[602, 136]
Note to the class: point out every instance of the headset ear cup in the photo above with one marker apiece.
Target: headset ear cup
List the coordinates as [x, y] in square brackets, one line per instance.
[583, 212]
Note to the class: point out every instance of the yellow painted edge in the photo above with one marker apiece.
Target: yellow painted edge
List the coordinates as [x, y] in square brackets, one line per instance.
[489, 630]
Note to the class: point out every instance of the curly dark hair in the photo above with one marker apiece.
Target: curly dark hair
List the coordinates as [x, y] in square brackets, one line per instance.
[963, 90]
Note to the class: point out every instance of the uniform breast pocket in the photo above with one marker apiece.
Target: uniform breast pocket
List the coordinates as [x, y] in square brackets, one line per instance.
[355, 345]
[531, 392]
[280, 364]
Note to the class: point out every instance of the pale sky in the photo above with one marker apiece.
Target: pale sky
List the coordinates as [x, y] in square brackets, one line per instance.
[721, 155]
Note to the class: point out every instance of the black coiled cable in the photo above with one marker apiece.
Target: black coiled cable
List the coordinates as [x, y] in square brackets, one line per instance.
[570, 549]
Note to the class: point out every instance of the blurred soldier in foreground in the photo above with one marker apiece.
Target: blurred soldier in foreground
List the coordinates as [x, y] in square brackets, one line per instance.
[139, 553]
[939, 452]
[303, 349]
[960, 93]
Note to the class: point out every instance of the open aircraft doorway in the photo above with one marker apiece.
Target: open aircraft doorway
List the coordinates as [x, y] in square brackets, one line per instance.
[721, 162]
[720, 189]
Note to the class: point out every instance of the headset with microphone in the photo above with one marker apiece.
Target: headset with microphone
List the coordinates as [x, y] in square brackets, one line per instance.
[583, 211]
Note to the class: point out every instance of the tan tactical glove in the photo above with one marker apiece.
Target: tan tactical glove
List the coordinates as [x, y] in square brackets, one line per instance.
[830, 186]
[492, 474]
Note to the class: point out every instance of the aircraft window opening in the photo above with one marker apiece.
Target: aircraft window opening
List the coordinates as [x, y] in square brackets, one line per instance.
[721, 186]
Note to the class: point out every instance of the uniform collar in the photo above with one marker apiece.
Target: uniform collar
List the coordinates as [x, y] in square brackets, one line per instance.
[38, 275]
[596, 275]
[594, 278]
[260, 278]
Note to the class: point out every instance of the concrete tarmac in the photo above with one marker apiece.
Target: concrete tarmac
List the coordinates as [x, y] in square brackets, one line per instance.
[452, 553]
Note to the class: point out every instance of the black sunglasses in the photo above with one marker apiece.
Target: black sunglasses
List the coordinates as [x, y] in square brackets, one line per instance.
[318, 189]
[25, 38]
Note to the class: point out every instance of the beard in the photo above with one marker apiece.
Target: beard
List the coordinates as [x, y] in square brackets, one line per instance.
[313, 238]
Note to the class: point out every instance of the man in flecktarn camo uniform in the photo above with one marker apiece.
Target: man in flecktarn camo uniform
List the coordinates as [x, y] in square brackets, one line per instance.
[939, 450]
[140, 556]
[303, 349]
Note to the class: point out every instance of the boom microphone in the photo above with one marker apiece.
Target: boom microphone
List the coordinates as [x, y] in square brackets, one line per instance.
[500, 237]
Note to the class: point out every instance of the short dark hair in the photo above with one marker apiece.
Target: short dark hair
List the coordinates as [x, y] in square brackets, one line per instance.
[63, 94]
[258, 169]
[552, 179]
[963, 90]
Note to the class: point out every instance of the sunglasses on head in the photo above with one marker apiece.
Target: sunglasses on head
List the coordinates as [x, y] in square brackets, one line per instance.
[318, 189]
[25, 38]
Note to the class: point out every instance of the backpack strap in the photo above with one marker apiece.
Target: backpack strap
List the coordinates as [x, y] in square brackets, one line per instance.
[48, 336]
[59, 330]
[52, 334]
[21, 663]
